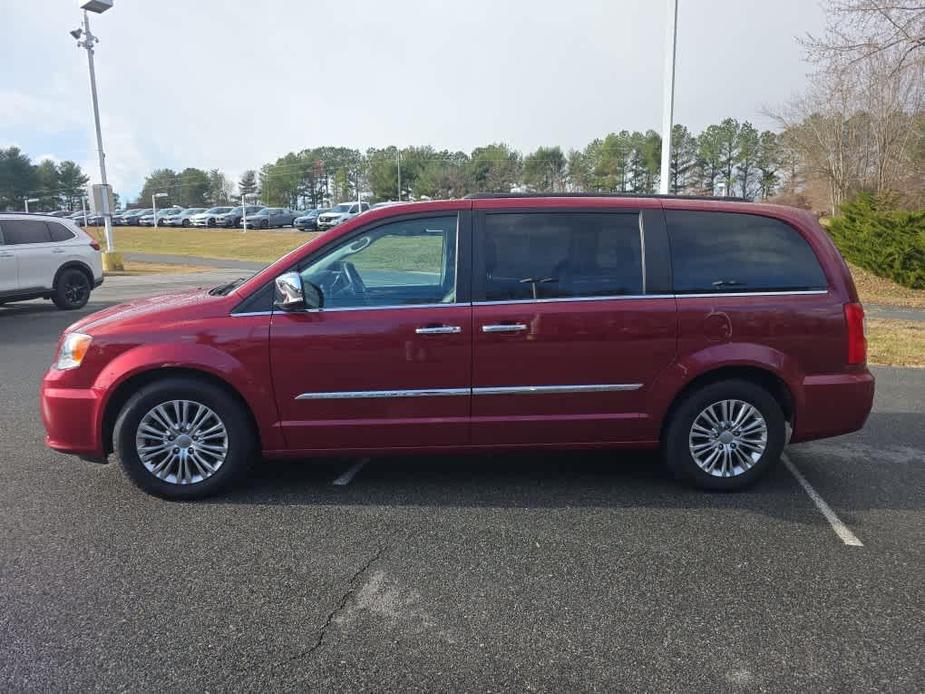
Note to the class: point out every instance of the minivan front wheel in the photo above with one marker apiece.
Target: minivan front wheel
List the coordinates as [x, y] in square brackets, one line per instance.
[725, 435]
[183, 439]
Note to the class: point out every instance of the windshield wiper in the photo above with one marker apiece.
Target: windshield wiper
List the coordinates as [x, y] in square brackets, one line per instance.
[224, 289]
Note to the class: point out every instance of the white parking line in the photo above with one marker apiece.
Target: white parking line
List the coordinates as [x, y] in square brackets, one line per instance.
[846, 536]
[349, 474]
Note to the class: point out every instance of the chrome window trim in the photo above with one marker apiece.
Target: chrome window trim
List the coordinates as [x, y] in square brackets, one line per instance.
[338, 309]
[642, 251]
[560, 299]
[623, 297]
[619, 297]
[492, 390]
[803, 292]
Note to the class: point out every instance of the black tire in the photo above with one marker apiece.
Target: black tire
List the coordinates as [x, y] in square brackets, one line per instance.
[265, 224]
[676, 448]
[72, 289]
[240, 437]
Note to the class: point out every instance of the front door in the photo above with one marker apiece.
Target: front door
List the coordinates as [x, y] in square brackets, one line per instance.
[566, 336]
[386, 363]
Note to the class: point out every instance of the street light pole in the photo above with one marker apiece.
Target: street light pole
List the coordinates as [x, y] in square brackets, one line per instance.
[244, 197]
[88, 40]
[671, 40]
[154, 205]
[399, 174]
[28, 200]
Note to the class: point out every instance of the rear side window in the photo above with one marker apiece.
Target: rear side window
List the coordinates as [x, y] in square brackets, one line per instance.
[59, 232]
[715, 252]
[560, 255]
[18, 232]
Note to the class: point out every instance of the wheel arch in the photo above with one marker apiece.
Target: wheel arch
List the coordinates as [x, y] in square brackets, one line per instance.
[73, 265]
[133, 383]
[761, 376]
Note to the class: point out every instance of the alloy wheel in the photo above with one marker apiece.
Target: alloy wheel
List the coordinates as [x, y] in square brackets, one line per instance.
[728, 437]
[181, 442]
[76, 288]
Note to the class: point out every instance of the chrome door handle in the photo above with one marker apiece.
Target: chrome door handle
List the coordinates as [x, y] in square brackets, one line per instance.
[57, 250]
[439, 330]
[504, 328]
[6, 255]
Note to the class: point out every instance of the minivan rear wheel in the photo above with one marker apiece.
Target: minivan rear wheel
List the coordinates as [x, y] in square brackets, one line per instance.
[183, 439]
[725, 435]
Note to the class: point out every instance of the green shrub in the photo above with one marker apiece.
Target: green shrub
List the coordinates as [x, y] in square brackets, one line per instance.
[889, 242]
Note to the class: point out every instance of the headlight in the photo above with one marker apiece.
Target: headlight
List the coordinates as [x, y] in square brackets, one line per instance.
[73, 350]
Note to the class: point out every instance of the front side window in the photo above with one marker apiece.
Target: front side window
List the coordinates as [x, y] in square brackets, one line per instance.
[713, 252]
[561, 255]
[17, 232]
[401, 263]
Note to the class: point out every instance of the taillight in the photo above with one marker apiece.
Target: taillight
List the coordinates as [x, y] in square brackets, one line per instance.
[94, 245]
[857, 343]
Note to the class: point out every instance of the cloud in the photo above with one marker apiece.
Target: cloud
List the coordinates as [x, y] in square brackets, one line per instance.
[42, 112]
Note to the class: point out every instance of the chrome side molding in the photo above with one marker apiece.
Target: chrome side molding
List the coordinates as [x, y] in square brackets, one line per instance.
[549, 390]
[492, 390]
[414, 393]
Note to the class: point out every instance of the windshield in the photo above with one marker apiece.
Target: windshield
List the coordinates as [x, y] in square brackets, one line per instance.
[235, 210]
[343, 207]
[219, 210]
[262, 213]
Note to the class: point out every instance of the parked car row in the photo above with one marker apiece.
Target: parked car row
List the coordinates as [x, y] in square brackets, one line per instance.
[258, 217]
[340, 214]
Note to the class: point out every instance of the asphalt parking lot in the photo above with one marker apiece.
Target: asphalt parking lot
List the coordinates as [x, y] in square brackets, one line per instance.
[571, 572]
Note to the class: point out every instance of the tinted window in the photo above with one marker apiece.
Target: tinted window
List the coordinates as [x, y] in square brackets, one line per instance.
[20, 231]
[561, 255]
[723, 251]
[59, 232]
[406, 262]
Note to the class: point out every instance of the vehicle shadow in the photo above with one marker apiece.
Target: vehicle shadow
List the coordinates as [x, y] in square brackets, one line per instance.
[599, 479]
[535, 480]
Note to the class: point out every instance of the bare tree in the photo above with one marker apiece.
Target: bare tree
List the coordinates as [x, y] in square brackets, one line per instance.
[860, 29]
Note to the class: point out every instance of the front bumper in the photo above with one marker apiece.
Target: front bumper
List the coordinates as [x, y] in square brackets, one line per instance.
[833, 404]
[72, 419]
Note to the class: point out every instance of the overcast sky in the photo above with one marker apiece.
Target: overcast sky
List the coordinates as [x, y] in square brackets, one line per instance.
[234, 84]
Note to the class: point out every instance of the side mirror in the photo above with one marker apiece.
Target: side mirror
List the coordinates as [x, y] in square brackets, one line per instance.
[288, 294]
[291, 294]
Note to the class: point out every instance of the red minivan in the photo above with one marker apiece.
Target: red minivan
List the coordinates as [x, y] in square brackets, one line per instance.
[715, 330]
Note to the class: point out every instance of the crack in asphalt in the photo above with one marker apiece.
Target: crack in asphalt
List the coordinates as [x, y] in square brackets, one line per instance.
[352, 588]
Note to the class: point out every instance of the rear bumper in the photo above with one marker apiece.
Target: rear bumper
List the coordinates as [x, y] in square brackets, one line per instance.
[833, 404]
[72, 420]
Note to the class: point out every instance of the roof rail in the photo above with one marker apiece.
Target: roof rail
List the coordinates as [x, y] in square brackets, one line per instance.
[501, 196]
